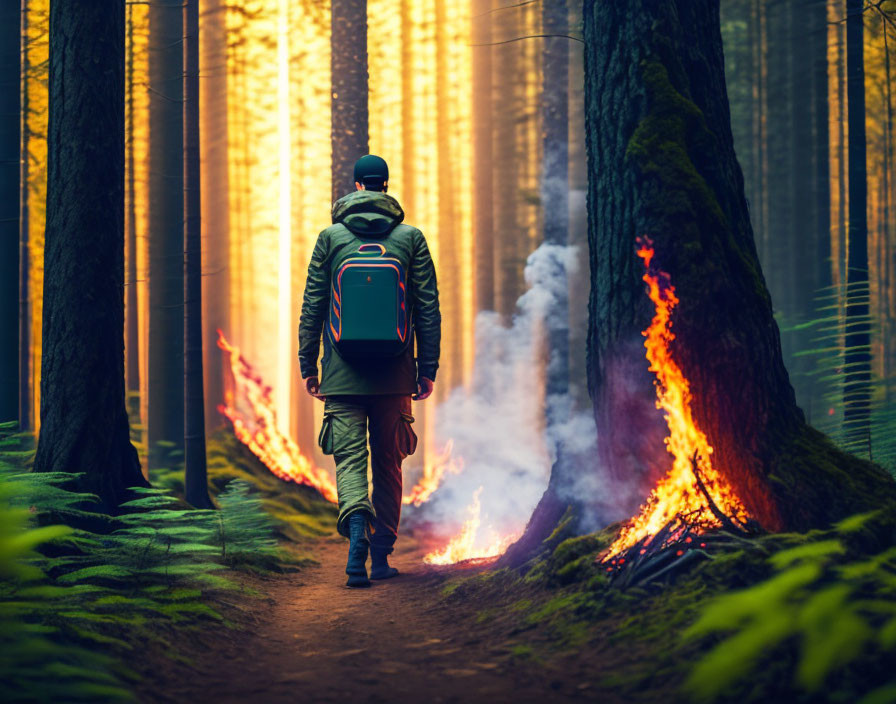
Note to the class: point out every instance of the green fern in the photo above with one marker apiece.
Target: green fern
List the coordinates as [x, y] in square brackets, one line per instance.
[827, 602]
[159, 562]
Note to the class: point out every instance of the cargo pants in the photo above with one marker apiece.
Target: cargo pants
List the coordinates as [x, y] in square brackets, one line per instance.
[344, 433]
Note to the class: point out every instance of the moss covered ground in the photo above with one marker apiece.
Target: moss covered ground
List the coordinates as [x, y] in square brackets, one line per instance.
[780, 618]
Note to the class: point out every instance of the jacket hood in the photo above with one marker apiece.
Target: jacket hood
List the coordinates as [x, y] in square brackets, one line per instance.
[368, 213]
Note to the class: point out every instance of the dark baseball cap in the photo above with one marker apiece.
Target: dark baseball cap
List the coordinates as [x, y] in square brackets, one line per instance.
[372, 167]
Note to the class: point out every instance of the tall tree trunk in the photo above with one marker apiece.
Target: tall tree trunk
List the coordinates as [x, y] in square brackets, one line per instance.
[887, 263]
[857, 359]
[662, 164]
[213, 89]
[781, 138]
[26, 392]
[195, 470]
[84, 425]
[348, 73]
[816, 392]
[10, 82]
[483, 216]
[166, 230]
[555, 174]
[802, 232]
[131, 309]
[449, 240]
[842, 175]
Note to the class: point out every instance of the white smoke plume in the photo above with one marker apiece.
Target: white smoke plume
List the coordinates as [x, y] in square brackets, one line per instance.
[504, 432]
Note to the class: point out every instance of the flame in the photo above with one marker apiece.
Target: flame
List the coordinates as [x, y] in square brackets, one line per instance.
[433, 473]
[261, 434]
[463, 546]
[677, 494]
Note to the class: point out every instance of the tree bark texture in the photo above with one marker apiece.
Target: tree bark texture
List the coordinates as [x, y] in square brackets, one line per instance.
[10, 81]
[84, 425]
[348, 71]
[662, 164]
[166, 230]
[195, 470]
[857, 359]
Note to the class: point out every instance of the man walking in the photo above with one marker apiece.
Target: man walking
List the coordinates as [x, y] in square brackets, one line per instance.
[371, 289]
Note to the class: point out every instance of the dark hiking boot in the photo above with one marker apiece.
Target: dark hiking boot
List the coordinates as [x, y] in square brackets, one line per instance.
[359, 542]
[379, 564]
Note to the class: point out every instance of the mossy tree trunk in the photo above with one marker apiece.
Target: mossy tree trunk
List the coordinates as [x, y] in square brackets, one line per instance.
[9, 209]
[348, 75]
[84, 425]
[662, 164]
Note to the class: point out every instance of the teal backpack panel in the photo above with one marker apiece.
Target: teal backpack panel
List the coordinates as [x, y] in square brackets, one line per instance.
[368, 311]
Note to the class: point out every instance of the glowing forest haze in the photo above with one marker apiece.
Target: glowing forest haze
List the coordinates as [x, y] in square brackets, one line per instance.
[658, 463]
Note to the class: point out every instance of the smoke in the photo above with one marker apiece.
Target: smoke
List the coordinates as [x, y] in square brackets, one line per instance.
[505, 432]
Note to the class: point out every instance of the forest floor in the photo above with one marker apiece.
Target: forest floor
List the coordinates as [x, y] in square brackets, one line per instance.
[312, 639]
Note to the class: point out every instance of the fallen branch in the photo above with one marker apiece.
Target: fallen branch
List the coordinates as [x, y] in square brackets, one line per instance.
[727, 522]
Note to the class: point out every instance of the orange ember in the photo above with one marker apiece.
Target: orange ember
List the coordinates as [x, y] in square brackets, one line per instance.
[677, 495]
[433, 473]
[260, 432]
[467, 545]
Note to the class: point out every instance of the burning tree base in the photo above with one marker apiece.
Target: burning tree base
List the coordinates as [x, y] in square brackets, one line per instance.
[693, 504]
[662, 557]
[685, 539]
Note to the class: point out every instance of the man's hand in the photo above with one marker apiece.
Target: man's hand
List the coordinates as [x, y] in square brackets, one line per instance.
[424, 389]
[312, 386]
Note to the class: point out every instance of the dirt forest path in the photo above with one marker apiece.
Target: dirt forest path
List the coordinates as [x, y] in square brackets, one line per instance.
[315, 640]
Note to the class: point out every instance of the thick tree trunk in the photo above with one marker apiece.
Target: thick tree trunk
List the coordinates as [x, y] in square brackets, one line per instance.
[857, 359]
[84, 425]
[662, 164]
[10, 81]
[215, 203]
[195, 470]
[348, 72]
[166, 230]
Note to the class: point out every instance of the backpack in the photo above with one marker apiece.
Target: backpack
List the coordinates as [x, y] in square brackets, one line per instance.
[368, 313]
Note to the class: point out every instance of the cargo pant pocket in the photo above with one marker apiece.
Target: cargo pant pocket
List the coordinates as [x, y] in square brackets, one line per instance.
[406, 438]
[325, 439]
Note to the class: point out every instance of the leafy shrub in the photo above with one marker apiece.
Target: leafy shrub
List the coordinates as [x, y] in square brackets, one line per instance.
[107, 583]
[827, 605]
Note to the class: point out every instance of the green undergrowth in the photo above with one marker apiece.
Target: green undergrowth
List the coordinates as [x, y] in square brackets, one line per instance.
[83, 593]
[299, 511]
[787, 617]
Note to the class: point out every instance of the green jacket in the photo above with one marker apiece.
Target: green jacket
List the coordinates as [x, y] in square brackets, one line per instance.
[370, 216]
